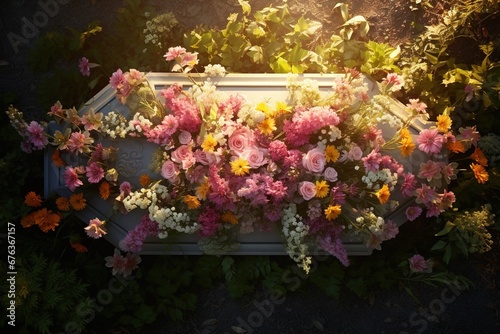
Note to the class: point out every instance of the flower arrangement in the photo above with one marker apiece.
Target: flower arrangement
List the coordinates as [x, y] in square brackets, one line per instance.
[316, 168]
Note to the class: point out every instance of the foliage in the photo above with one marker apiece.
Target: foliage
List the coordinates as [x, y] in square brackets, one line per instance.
[46, 295]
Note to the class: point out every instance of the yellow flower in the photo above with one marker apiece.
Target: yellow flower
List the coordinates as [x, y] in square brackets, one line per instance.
[480, 173]
[202, 190]
[331, 153]
[267, 126]
[443, 123]
[282, 107]
[407, 146]
[240, 167]
[229, 217]
[191, 201]
[404, 133]
[209, 143]
[383, 194]
[332, 212]
[262, 106]
[322, 189]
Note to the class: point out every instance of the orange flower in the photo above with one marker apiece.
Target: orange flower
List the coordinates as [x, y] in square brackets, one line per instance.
[480, 173]
[28, 221]
[57, 160]
[79, 247]
[456, 147]
[332, 212]
[202, 190]
[144, 179]
[46, 219]
[62, 204]
[192, 202]
[104, 190]
[32, 199]
[479, 157]
[77, 201]
[383, 194]
[229, 217]
[407, 146]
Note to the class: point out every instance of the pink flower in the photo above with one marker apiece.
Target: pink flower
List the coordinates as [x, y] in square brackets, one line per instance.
[430, 170]
[256, 157]
[335, 247]
[372, 161]
[425, 195]
[447, 199]
[36, 136]
[174, 52]
[330, 174]
[413, 212]
[418, 264]
[117, 79]
[204, 158]
[389, 230]
[84, 67]
[307, 190]
[394, 82]
[409, 184]
[94, 172]
[132, 261]
[314, 161]
[125, 188]
[240, 140]
[185, 138]
[169, 171]
[184, 155]
[78, 142]
[116, 262]
[430, 141]
[355, 153]
[419, 107]
[95, 229]
[71, 179]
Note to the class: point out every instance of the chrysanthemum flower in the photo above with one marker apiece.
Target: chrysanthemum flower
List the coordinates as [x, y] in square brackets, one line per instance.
[32, 199]
[443, 123]
[480, 173]
[104, 190]
[331, 153]
[71, 178]
[406, 147]
[322, 189]
[229, 217]
[192, 202]
[202, 190]
[332, 212]
[413, 212]
[267, 126]
[430, 141]
[209, 143]
[383, 194]
[479, 157]
[144, 180]
[62, 204]
[240, 167]
[77, 201]
[94, 172]
[455, 147]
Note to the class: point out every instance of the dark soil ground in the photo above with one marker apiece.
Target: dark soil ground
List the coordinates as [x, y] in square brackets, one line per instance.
[307, 310]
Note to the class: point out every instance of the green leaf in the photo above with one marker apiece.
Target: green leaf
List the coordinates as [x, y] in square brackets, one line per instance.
[94, 82]
[245, 7]
[447, 228]
[447, 254]
[439, 245]
[227, 267]
[281, 66]
[257, 54]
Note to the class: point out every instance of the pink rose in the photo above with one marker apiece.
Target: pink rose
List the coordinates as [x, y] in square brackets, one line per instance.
[169, 171]
[307, 190]
[355, 153]
[330, 174]
[314, 160]
[240, 140]
[204, 158]
[184, 155]
[185, 137]
[254, 156]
